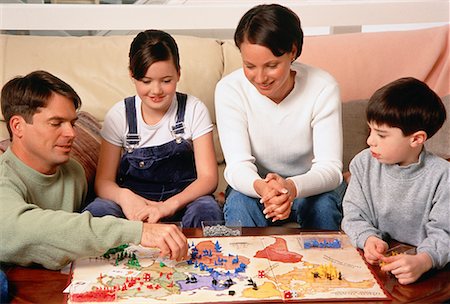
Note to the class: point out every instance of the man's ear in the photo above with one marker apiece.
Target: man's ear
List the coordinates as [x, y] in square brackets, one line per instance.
[16, 124]
[418, 138]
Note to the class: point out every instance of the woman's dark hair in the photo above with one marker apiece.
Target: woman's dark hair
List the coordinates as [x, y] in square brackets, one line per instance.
[149, 47]
[408, 104]
[271, 25]
[24, 96]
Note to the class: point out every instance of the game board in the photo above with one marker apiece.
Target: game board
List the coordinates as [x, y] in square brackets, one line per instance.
[230, 269]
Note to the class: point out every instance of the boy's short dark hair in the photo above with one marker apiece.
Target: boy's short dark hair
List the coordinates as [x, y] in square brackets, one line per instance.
[24, 96]
[408, 104]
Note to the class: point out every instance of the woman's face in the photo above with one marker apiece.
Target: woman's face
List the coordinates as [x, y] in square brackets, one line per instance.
[270, 75]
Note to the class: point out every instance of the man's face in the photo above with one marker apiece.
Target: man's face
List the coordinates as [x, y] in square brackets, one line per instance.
[46, 142]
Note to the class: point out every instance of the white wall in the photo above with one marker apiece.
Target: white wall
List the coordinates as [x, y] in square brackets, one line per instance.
[219, 18]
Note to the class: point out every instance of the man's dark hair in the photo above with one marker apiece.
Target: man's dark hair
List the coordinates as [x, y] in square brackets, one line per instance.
[24, 96]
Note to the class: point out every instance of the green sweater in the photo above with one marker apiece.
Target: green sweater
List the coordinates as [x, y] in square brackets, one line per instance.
[38, 220]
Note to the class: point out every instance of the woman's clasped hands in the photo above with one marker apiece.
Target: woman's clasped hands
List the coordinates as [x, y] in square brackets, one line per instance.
[277, 195]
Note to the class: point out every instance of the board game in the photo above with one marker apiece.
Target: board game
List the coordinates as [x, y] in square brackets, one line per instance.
[229, 269]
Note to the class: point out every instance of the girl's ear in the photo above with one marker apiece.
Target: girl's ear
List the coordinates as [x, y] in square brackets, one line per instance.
[418, 138]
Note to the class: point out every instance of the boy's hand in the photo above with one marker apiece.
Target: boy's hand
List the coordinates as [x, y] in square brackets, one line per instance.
[407, 268]
[374, 248]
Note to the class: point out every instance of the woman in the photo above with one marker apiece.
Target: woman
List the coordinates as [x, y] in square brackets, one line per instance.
[280, 128]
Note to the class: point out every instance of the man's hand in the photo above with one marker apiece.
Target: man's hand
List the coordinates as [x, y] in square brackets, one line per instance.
[168, 238]
[407, 268]
[374, 248]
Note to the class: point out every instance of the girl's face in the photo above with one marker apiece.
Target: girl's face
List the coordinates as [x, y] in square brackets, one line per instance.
[271, 75]
[157, 88]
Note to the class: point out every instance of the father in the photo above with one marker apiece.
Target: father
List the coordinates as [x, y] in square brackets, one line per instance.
[42, 188]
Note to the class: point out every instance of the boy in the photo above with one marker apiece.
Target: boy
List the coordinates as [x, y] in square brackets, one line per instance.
[399, 190]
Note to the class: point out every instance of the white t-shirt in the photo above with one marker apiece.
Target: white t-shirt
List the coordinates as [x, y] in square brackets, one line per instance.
[299, 138]
[197, 122]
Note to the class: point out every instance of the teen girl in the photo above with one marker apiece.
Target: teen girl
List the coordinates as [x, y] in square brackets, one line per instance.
[157, 160]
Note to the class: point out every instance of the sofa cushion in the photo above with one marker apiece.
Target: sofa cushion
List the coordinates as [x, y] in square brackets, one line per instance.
[4, 144]
[86, 146]
[355, 129]
[439, 144]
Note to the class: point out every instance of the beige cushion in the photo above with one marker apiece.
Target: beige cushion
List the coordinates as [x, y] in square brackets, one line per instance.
[97, 67]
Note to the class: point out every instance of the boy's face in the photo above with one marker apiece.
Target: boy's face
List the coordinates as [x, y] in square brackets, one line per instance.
[389, 146]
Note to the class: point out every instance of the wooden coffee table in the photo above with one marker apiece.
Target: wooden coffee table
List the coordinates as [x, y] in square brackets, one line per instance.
[38, 285]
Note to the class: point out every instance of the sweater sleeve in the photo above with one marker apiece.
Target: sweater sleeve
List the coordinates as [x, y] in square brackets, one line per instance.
[326, 170]
[50, 236]
[358, 221]
[240, 171]
[437, 228]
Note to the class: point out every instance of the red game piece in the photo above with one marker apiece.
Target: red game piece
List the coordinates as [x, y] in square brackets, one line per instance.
[287, 294]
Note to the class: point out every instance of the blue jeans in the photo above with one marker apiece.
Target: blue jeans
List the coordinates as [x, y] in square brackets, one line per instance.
[205, 208]
[321, 211]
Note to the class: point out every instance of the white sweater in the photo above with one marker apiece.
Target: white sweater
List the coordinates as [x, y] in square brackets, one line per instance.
[299, 138]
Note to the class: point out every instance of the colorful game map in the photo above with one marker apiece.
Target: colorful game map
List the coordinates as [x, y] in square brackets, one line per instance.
[229, 269]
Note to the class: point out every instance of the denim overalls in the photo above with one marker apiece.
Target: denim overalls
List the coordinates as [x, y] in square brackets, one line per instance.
[159, 172]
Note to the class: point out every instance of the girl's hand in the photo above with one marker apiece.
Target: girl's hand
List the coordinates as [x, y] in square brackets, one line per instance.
[153, 212]
[407, 268]
[131, 204]
[374, 248]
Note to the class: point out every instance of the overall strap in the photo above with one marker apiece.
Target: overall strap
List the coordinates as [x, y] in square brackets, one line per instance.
[133, 137]
[178, 128]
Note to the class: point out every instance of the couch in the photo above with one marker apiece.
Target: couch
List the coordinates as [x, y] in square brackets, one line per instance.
[361, 62]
